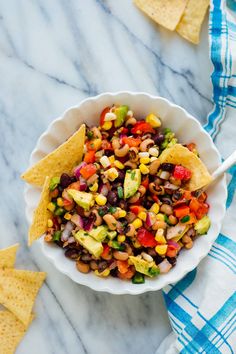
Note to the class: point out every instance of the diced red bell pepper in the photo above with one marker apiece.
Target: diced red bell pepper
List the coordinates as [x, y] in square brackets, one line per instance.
[88, 170]
[203, 210]
[124, 130]
[182, 173]
[145, 182]
[89, 156]
[136, 209]
[123, 266]
[194, 205]
[146, 238]
[106, 250]
[182, 211]
[202, 197]
[191, 146]
[142, 127]
[102, 116]
[155, 198]
[132, 142]
[171, 251]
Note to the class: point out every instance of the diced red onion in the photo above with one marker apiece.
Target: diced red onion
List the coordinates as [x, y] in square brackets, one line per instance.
[150, 220]
[82, 184]
[103, 189]
[78, 168]
[113, 265]
[174, 244]
[71, 239]
[77, 220]
[88, 223]
[121, 137]
[164, 266]
[67, 231]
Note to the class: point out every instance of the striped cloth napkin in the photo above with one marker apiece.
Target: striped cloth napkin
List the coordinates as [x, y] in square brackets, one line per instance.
[202, 306]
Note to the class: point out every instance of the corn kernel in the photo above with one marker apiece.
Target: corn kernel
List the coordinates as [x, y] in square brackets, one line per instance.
[105, 273]
[93, 187]
[153, 151]
[107, 125]
[67, 216]
[50, 223]
[121, 238]
[112, 174]
[160, 238]
[101, 199]
[51, 206]
[60, 202]
[112, 158]
[144, 160]
[153, 120]
[161, 249]
[122, 213]
[143, 154]
[110, 244]
[142, 215]
[119, 164]
[160, 217]
[155, 208]
[144, 169]
[137, 223]
[137, 244]
[105, 162]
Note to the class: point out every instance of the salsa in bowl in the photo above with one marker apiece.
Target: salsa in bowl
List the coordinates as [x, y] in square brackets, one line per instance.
[133, 203]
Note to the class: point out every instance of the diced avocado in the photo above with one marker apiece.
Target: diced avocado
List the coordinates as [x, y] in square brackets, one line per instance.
[54, 183]
[83, 199]
[120, 113]
[132, 182]
[111, 235]
[94, 247]
[202, 225]
[176, 232]
[148, 268]
[99, 233]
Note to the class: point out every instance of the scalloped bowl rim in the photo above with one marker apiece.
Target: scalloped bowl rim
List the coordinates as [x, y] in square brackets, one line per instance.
[121, 287]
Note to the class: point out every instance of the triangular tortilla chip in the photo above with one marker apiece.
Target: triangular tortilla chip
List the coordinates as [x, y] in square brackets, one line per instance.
[41, 215]
[11, 332]
[190, 24]
[166, 13]
[8, 256]
[180, 155]
[18, 290]
[63, 159]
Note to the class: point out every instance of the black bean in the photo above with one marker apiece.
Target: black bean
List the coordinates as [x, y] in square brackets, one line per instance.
[113, 272]
[167, 167]
[112, 197]
[71, 253]
[121, 176]
[65, 180]
[86, 257]
[158, 259]
[147, 204]
[171, 260]
[158, 138]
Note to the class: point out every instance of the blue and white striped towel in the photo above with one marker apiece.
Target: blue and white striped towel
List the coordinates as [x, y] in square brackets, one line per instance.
[202, 306]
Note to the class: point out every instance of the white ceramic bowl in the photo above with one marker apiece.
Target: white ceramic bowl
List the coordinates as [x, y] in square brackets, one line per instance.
[187, 129]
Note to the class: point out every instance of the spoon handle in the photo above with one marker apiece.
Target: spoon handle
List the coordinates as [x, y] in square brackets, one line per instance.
[231, 160]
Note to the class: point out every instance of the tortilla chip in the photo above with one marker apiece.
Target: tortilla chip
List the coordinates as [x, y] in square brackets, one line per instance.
[190, 24]
[8, 256]
[41, 215]
[18, 290]
[180, 155]
[63, 159]
[166, 13]
[11, 332]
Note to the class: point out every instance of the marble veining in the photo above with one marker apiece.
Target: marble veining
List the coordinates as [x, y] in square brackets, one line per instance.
[52, 55]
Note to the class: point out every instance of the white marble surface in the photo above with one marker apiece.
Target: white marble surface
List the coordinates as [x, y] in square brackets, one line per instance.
[53, 54]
